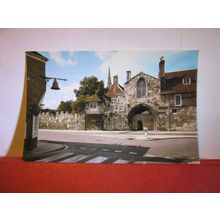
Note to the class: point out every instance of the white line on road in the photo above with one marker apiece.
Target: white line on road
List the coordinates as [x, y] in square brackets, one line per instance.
[121, 161]
[97, 160]
[76, 158]
[133, 153]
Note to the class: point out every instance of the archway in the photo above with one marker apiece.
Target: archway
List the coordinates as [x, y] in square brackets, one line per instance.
[141, 116]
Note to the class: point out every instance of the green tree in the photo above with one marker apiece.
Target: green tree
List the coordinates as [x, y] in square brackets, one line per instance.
[65, 106]
[78, 106]
[90, 86]
[51, 111]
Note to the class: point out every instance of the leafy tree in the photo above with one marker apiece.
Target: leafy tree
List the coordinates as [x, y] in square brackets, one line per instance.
[51, 111]
[90, 86]
[65, 106]
[78, 106]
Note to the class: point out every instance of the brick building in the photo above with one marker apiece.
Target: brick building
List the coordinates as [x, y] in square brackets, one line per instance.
[164, 103]
[36, 88]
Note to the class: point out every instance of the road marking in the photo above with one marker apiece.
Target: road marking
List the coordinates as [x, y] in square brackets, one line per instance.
[105, 149]
[83, 148]
[55, 157]
[121, 161]
[142, 162]
[76, 158]
[97, 159]
[132, 152]
[149, 155]
[118, 151]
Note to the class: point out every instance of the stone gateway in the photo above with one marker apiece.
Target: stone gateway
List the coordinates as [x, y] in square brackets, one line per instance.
[166, 103]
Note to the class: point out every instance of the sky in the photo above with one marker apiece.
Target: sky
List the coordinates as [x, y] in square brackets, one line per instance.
[75, 65]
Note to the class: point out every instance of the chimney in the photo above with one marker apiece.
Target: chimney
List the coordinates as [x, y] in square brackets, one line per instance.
[128, 74]
[161, 67]
[115, 79]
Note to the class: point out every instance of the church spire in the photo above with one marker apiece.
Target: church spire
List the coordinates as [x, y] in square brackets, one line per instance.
[109, 78]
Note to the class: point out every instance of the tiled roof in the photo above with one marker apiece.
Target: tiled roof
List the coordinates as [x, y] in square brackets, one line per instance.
[173, 81]
[191, 73]
[180, 88]
[115, 90]
[94, 98]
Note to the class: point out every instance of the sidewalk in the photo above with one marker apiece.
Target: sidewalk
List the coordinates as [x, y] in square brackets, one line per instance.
[124, 132]
[153, 137]
[45, 147]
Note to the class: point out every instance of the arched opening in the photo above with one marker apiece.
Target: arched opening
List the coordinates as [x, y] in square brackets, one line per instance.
[141, 116]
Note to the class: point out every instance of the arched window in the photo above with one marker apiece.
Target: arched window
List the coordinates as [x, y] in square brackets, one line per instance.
[141, 88]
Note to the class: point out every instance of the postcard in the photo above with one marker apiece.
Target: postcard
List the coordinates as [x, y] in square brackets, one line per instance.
[112, 106]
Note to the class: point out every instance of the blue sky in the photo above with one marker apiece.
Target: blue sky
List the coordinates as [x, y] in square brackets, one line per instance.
[75, 65]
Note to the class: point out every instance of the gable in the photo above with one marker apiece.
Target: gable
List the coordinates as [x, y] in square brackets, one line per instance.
[141, 74]
[115, 90]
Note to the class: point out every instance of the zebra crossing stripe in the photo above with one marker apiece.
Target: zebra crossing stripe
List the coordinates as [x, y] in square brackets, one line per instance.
[99, 159]
[118, 151]
[121, 161]
[135, 153]
[55, 157]
[76, 158]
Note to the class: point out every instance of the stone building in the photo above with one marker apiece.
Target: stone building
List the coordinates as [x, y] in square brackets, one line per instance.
[166, 103]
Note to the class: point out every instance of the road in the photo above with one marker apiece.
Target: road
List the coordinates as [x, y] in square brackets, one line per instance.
[119, 147]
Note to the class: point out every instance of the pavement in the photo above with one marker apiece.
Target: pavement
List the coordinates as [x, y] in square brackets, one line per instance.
[45, 148]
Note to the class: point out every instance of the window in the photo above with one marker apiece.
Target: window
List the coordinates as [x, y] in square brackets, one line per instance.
[186, 80]
[178, 100]
[141, 88]
[174, 110]
[93, 105]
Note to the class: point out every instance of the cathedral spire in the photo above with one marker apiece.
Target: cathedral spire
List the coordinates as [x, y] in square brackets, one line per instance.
[109, 78]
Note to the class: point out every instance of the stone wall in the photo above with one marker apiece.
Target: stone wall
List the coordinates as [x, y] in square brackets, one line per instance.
[184, 119]
[177, 118]
[116, 116]
[62, 121]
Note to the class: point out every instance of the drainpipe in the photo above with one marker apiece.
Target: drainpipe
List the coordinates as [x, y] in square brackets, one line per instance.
[169, 115]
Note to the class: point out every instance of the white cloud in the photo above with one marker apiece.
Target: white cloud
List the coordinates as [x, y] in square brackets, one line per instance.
[104, 55]
[60, 60]
[121, 61]
[53, 98]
